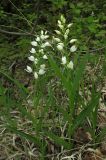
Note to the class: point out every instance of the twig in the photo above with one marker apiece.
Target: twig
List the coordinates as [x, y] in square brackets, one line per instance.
[37, 8]
[12, 27]
[94, 50]
[16, 33]
[20, 13]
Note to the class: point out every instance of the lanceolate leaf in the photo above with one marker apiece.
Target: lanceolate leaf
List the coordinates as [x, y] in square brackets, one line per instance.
[58, 140]
[18, 84]
[27, 136]
[86, 112]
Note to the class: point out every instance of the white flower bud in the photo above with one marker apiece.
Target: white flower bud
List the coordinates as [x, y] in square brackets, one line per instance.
[34, 43]
[73, 48]
[45, 32]
[35, 61]
[42, 37]
[70, 65]
[64, 61]
[62, 44]
[67, 31]
[73, 40]
[59, 22]
[63, 19]
[45, 57]
[41, 72]
[60, 47]
[61, 26]
[46, 36]
[38, 39]
[31, 58]
[65, 36]
[42, 66]
[42, 32]
[43, 45]
[29, 69]
[35, 75]
[57, 39]
[47, 44]
[58, 32]
[32, 50]
[41, 51]
[69, 25]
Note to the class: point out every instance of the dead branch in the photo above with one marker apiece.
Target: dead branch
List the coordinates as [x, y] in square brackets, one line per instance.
[16, 33]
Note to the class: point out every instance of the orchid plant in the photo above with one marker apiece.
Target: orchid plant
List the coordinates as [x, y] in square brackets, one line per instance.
[59, 53]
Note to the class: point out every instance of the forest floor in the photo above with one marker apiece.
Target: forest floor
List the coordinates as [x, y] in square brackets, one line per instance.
[12, 147]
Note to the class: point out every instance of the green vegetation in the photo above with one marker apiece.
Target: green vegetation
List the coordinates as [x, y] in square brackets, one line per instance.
[53, 79]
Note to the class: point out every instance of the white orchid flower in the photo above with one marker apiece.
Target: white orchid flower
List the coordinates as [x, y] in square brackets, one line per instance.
[41, 71]
[35, 75]
[42, 66]
[73, 48]
[69, 25]
[34, 43]
[70, 65]
[29, 69]
[31, 58]
[73, 40]
[33, 50]
[45, 57]
[64, 60]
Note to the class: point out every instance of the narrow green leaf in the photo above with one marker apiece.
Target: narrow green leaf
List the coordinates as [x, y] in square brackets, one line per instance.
[33, 139]
[58, 140]
[18, 84]
[86, 112]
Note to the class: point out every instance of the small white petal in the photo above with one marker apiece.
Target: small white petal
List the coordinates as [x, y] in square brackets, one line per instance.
[62, 44]
[73, 48]
[45, 32]
[42, 32]
[65, 36]
[73, 40]
[67, 31]
[61, 26]
[41, 51]
[29, 69]
[31, 58]
[32, 50]
[42, 66]
[38, 39]
[59, 47]
[47, 44]
[57, 39]
[42, 37]
[58, 32]
[59, 22]
[70, 65]
[64, 61]
[34, 43]
[45, 57]
[63, 19]
[43, 45]
[35, 61]
[69, 25]
[46, 36]
[41, 71]
[35, 75]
